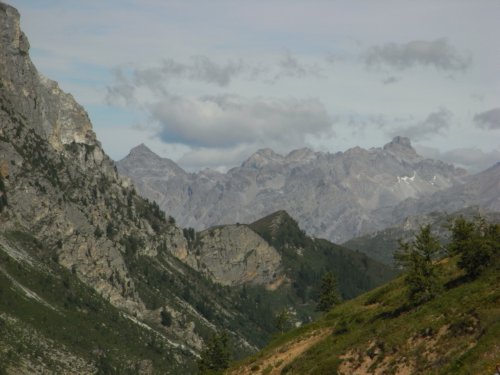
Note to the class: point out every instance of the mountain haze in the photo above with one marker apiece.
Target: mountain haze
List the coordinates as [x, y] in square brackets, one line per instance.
[331, 195]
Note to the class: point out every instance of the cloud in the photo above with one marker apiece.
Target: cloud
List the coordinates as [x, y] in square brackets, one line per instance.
[290, 66]
[438, 53]
[122, 92]
[156, 78]
[472, 159]
[215, 158]
[435, 123]
[227, 121]
[488, 119]
[390, 80]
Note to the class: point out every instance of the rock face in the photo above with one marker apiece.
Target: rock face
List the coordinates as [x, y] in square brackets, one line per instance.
[331, 195]
[235, 255]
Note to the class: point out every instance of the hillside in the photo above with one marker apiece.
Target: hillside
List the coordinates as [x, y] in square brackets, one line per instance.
[306, 259]
[271, 266]
[381, 245]
[379, 332]
[95, 277]
[331, 195]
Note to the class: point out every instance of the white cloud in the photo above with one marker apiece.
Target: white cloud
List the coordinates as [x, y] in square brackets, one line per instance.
[229, 120]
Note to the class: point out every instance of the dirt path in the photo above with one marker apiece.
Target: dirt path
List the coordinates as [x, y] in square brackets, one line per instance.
[281, 356]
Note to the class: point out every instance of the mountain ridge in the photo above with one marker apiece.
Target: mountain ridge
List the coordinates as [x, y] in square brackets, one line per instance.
[331, 195]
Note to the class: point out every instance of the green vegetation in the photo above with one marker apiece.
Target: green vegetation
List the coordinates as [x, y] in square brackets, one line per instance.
[454, 333]
[3, 194]
[417, 258]
[476, 243]
[72, 318]
[306, 259]
[215, 356]
[329, 294]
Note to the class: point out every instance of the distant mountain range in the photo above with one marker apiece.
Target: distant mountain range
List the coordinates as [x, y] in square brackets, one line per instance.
[335, 196]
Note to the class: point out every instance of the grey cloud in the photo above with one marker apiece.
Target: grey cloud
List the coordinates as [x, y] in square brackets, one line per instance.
[122, 91]
[390, 80]
[472, 159]
[155, 79]
[228, 121]
[488, 119]
[290, 66]
[438, 53]
[436, 122]
[206, 70]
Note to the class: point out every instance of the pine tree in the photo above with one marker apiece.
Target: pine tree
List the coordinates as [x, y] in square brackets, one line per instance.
[283, 320]
[329, 294]
[476, 243]
[416, 258]
[216, 355]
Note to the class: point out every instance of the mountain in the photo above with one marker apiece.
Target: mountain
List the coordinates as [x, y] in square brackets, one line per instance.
[332, 196]
[381, 245]
[272, 266]
[379, 333]
[481, 190]
[96, 279]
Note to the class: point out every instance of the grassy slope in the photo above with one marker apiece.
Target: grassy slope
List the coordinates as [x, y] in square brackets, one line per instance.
[78, 332]
[457, 333]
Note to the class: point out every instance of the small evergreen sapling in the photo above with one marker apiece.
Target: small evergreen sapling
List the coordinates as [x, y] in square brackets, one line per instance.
[329, 294]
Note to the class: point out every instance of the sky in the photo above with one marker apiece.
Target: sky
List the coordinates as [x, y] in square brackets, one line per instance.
[208, 83]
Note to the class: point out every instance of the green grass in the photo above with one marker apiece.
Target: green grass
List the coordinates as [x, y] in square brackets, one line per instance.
[456, 333]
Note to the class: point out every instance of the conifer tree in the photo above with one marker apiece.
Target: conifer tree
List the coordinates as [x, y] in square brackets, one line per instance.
[416, 258]
[283, 320]
[216, 355]
[329, 294]
[476, 243]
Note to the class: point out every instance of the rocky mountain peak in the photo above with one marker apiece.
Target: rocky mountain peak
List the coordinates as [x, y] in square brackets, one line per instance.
[274, 223]
[56, 115]
[261, 158]
[401, 146]
[12, 36]
[142, 151]
[142, 156]
[301, 155]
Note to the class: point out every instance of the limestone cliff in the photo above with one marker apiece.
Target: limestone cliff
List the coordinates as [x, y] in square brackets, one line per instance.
[235, 255]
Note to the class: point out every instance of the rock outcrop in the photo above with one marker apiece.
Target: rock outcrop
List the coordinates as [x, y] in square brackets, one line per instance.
[236, 255]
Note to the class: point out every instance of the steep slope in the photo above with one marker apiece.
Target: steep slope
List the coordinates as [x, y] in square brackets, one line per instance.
[376, 333]
[382, 244]
[87, 224]
[306, 259]
[331, 195]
